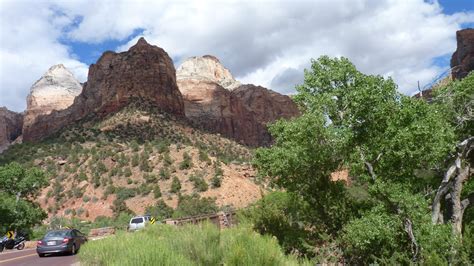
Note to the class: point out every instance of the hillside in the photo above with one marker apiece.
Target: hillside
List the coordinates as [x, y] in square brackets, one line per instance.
[104, 166]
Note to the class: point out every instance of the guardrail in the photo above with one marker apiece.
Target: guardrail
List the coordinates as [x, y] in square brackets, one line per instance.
[221, 219]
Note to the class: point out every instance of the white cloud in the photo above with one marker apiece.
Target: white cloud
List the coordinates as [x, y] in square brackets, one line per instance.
[29, 45]
[266, 42]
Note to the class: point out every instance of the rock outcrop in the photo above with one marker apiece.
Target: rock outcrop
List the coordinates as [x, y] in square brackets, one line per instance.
[10, 127]
[240, 112]
[207, 68]
[55, 90]
[462, 61]
[143, 72]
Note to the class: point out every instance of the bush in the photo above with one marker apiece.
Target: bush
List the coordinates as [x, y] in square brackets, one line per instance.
[135, 160]
[157, 192]
[216, 181]
[191, 205]
[86, 198]
[175, 185]
[199, 183]
[150, 178]
[160, 210]
[165, 173]
[186, 163]
[127, 172]
[203, 157]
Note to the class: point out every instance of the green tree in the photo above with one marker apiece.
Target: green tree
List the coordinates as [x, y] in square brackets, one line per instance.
[361, 123]
[17, 187]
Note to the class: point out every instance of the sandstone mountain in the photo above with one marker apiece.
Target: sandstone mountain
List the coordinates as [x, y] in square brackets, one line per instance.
[55, 90]
[10, 127]
[216, 102]
[207, 68]
[144, 71]
[462, 61]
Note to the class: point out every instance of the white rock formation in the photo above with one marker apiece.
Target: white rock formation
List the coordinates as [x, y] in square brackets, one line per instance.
[55, 90]
[206, 68]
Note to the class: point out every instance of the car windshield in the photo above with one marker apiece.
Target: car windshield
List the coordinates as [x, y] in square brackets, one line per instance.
[137, 220]
[61, 233]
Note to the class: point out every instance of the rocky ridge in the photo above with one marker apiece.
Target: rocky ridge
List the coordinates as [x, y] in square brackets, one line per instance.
[462, 61]
[241, 113]
[55, 90]
[10, 127]
[144, 71]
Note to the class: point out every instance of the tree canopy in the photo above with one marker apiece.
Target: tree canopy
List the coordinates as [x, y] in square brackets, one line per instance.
[18, 187]
[394, 147]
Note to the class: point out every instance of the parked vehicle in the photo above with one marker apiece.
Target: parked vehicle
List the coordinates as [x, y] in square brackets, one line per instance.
[61, 241]
[138, 222]
[17, 243]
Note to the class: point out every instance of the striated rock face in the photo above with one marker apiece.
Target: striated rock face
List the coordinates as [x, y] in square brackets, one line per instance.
[55, 90]
[207, 68]
[10, 127]
[144, 71]
[241, 113]
[462, 61]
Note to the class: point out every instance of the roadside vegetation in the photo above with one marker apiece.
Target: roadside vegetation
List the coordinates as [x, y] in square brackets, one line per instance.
[187, 245]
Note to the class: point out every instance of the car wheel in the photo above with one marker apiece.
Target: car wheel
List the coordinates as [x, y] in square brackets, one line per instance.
[73, 249]
[41, 254]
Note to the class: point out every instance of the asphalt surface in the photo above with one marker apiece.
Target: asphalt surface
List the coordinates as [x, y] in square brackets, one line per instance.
[29, 257]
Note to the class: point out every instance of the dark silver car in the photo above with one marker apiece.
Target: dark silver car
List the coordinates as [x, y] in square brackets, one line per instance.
[60, 241]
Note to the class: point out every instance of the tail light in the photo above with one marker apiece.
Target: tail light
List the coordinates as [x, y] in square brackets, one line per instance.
[66, 240]
[39, 243]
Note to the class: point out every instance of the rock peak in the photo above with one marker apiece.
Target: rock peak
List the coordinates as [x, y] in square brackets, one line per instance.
[207, 68]
[462, 61]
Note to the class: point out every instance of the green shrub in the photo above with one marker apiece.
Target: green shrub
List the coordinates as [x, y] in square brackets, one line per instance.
[191, 205]
[150, 178]
[165, 173]
[175, 185]
[167, 161]
[199, 183]
[186, 163]
[216, 181]
[86, 198]
[203, 157]
[127, 172]
[135, 160]
[157, 191]
[160, 210]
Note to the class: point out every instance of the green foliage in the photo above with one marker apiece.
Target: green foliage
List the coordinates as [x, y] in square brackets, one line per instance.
[150, 178]
[278, 214]
[160, 210]
[188, 245]
[157, 191]
[165, 173]
[191, 205]
[203, 157]
[359, 122]
[17, 186]
[199, 183]
[187, 162]
[216, 181]
[175, 185]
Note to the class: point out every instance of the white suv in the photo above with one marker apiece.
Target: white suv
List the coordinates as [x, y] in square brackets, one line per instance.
[138, 222]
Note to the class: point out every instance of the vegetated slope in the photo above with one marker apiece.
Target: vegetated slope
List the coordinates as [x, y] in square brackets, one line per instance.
[131, 159]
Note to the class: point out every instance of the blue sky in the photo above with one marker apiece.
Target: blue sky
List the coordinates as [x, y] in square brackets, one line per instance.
[266, 43]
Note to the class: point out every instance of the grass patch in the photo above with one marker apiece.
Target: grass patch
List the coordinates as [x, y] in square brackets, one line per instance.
[189, 245]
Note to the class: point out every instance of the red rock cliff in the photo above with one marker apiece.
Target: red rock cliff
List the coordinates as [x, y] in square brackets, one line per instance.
[144, 71]
[462, 61]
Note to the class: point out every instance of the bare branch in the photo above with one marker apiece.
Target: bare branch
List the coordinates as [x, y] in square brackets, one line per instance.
[414, 245]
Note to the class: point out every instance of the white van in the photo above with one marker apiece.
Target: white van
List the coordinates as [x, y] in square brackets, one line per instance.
[138, 222]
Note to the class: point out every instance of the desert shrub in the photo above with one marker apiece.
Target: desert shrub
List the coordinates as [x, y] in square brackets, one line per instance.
[175, 185]
[203, 157]
[167, 160]
[186, 163]
[127, 172]
[216, 181]
[190, 205]
[199, 183]
[135, 160]
[86, 198]
[163, 146]
[165, 173]
[150, 178]
[144, 189]
[160, 210]
[157, 191]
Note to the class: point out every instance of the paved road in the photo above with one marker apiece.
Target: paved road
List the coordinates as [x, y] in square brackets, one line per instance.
[28, 257]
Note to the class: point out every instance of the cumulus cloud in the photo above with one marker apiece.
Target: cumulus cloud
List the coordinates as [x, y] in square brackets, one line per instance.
[269, 43]
[29, 45]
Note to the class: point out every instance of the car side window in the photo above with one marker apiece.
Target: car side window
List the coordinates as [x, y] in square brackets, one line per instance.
[73, 233]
